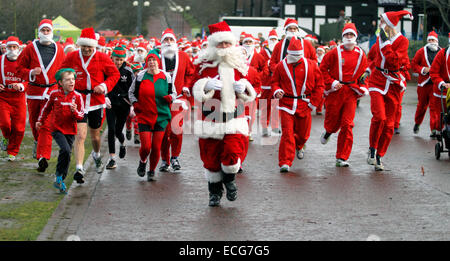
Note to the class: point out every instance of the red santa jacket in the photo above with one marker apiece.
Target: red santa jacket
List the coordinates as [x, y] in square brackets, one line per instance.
[258, 62]
[183, 72]
[9, 74]
[216, 105]
[255, 79]
[342, 66]
[440, 72]
[277, 54]
[29, 59]
[308, 86]
[64, 119]
[98, 69]
[391, 59]
[419, 63]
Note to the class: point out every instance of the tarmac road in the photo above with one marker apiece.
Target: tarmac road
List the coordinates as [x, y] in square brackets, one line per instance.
[315, 201]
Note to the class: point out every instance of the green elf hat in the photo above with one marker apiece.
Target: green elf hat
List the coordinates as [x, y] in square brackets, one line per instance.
[136, 67]
[120, 52]
[154, 53]
[58, 75]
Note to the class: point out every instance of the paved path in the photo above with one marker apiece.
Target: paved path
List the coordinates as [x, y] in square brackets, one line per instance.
[315, 201]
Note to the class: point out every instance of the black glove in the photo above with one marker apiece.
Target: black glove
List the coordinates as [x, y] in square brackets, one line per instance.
[383, 35]
[362, 79]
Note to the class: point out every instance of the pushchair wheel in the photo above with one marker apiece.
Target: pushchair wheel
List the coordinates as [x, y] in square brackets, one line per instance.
[437, 151]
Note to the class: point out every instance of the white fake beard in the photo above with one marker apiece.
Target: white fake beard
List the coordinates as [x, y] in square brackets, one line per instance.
[319, 58]
[12, 55]
[139, 58]
[45, 39]
[169, 50]
[249, 49]
[233, 56]
[272, 45]
[433, 46]
[293, 58]
[349, 43]
[289, 35]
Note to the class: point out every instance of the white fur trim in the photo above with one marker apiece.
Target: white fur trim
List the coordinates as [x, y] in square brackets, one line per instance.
[349, 30]
[213, 177]
[251, 96]
[87, 42]
[218, 37]
[277, 91]
[432, 38]
[227, 93]
[46, 25]
[299, 52]
[199, 90]
[333, 85]
[217, 130]
[12, 43]
[388, 22]
[440, 84]
[232, 169]
[69, 46]
[286, 27]
[310, 105]
[168, 35]
[385, 44]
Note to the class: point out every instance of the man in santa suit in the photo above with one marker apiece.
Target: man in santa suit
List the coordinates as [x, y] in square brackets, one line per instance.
[386, 84]
[421, 64]
[221, 87]
[341, 69]
[298, 83]
[257, 62]
[38, 64]
[320, 54]
[96, 76]
[280, 50]
[13, 109]
[266, 106]
[440, 76]
[178, 64]
[139, 55]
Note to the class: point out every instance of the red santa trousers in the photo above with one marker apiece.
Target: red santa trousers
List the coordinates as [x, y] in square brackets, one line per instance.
[13, 113]
[435, 112]
[295, 131]
[269, 114]
[398, 116]
[44, 136]
[225, 154]
[320, 106]
[424, 95]
[340, 115]
[250, 113]
[384, 112]
[132, 123]
[151, 145]
[173, 136]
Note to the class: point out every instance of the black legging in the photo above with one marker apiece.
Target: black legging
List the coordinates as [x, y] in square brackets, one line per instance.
[65, 143]
[116, 118]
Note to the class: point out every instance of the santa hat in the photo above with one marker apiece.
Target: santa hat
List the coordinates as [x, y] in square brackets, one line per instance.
[392, 18]
[432, 36]
[119, 52]
[12, 40]
[290, 22]
[220, 32]
[142, 46]
[196, 45]
[204, 42]
[321, 48]
[242, 34]
[273, 34]
[248, 37]
[295, 47]
[168, 33]
[308, 37]
[187, 48]
[332, 43]
[102, 41]
[45, 23]
[349, 28]
[69, 44]
[3, 43]
[87, 38]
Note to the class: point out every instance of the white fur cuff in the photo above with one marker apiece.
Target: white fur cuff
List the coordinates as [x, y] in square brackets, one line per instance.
[251, 93]
[199, 90]
[232, 169]
[213, 177]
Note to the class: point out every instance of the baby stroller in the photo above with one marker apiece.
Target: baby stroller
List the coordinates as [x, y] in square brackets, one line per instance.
[444, 125]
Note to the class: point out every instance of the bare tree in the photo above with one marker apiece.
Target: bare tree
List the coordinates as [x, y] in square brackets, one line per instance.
[444, 9]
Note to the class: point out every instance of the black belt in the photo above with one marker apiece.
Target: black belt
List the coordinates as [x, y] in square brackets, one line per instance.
[85, 92]
[386, 70]
[304, 96]
[224, 116]
[346, 82]
[42, 85]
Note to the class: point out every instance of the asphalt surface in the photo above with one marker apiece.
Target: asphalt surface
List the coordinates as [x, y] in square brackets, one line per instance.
[410, 200]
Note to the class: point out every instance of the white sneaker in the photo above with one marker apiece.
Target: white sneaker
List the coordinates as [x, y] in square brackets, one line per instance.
[11, 158]
[378, 165]
[265, 132]
[284, 169]
[323, 140]
[342, 163]
[370, 160]
[250, 137]
[301, 153]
